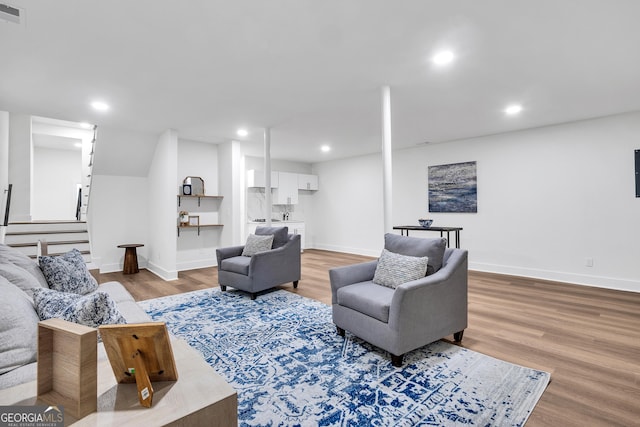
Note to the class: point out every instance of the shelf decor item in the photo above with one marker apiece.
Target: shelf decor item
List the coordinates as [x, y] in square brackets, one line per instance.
[184, 218]
[426, 223]
[194, 220]
[140, 353]
[196, 186]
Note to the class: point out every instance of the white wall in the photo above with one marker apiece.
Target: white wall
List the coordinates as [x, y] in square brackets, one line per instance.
[161, 198]
[123, 152]
[119, 209]
[548, 198]
[56, 176]
[347, 211]
[4, 150]
[118, 214]
[193, 250]
[20, 167]
[4, 168]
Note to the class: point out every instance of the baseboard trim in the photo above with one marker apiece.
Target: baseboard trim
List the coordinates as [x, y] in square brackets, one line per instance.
[559, 276]
[155, 269]
[110, 268]
[348, 250]
[195, 264]
[532, 273]
[161, 272]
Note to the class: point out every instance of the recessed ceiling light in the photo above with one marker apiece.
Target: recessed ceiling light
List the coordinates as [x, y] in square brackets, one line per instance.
[99, 105]
[443, 58]
[325, 148]
[242, 132]
[513, 109]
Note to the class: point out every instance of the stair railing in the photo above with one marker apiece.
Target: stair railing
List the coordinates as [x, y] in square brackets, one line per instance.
[79, 205]
[7, 206]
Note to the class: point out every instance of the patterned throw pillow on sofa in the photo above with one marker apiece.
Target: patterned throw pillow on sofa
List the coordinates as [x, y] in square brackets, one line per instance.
[90, 310]
[68, 273]
[395, 269]
[257, 244]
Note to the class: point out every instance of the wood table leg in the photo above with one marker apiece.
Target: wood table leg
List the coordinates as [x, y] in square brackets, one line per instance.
[130, 261]
[130, 265]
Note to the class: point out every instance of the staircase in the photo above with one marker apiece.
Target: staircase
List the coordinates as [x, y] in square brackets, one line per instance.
[61, 237]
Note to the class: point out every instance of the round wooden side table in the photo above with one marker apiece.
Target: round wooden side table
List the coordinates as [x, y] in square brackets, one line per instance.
[130, 258]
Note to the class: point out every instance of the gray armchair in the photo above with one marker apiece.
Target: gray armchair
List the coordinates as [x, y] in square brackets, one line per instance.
[262, 270]
[414, 314]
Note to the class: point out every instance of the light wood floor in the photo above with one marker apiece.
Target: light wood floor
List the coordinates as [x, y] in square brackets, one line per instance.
[587, 338]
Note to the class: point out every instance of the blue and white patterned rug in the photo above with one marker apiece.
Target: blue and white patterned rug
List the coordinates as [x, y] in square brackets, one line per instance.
[290, 368]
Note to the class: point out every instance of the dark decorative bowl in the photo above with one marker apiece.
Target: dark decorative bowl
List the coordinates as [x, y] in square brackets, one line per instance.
[426, 223]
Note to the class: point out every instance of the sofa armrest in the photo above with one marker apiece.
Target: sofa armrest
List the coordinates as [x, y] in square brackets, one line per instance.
[350, 274]
[229, 252]
[282, 263]
[435, 299]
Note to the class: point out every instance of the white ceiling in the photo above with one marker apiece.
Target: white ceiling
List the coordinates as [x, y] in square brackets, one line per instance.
[58, 134]
[311, 70]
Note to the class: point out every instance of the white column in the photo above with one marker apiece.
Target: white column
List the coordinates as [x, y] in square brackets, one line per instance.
[4, 151]
[20, 166]
[387, 198]
[232, 215]
[161, 244]
[4, 167]
[267, 176]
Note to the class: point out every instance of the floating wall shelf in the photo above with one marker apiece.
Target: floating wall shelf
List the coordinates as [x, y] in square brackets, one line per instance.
[198, 227]
[199, 198]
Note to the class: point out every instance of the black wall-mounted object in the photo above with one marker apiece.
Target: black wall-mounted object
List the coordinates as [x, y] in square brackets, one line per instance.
[637, 173]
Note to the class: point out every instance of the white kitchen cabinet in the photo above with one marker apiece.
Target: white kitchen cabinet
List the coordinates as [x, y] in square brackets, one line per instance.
[307, 182]
[255, 178]
[287, 191]
[294, 228]
[297, 228]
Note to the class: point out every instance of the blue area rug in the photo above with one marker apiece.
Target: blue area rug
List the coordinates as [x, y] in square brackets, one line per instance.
[283, 356]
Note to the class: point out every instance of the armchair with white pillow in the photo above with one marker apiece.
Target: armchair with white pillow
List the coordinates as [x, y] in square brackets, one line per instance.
[270, 258]
[414, 294]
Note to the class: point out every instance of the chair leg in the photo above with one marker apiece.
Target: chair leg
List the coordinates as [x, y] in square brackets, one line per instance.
[340, 331]
[295, 284]
[457, 337]
[223, 288]
[397, 360]
[253, 296]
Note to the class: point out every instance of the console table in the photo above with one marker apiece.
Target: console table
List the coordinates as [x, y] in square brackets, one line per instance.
[442, 230]
[199, 397]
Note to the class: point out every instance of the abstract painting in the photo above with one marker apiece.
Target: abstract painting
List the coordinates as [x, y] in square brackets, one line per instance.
[453, 188]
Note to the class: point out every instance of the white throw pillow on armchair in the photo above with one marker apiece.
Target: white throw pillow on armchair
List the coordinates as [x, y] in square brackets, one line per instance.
[395, 269]
[256, 244]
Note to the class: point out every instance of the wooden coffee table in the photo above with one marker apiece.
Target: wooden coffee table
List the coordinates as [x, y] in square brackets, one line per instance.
[200, 397]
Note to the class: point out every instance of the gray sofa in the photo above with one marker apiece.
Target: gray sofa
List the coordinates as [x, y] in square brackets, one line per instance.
[18, 317]
[263, 270]
[414, 314]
